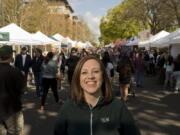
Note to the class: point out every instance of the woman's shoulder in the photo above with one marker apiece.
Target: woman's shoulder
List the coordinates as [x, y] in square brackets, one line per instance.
[117, 103]
[68, 103]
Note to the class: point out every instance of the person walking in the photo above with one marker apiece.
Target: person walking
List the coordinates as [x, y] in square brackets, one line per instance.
[92, 110]
[139, 70]
[49, 80]
[125, 69]
[23, 62]
[169, 67]
[176, 74]
[108, 65]
[71, 63]
[36, 68]
[11, 87]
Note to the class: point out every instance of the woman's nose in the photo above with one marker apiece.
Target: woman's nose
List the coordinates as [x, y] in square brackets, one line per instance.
[90, 75]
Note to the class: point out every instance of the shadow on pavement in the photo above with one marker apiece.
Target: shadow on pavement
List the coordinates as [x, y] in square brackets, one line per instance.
[155, 110]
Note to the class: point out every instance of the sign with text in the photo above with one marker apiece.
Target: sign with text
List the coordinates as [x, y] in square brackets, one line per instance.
[4, 36]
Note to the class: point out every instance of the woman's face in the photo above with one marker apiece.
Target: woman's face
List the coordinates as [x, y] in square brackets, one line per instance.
[91, 78]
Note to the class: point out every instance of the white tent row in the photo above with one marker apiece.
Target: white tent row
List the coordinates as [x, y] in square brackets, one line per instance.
[18, 36]
[58, 37]
[152, 40]
[71, 43]
[133, 42]
[64, 40]
[85, 45]
[44, 39]
[109, 45]
[172, 38]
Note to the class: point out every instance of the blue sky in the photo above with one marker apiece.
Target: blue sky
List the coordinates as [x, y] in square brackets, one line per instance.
[92, 11]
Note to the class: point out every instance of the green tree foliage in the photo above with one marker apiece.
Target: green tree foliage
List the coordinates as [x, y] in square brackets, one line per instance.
[118, 23]
[173, 6]
[153, 15]
[132, 16]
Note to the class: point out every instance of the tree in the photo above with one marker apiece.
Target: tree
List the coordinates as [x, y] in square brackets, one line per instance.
[35, 16]
[131, 16]
[118, 24]
[174, 8]
[11, 11]
[154, 15]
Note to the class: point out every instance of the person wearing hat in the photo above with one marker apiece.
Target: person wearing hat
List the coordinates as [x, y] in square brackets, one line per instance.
[71, 63]
[11, 86]
[23, 62]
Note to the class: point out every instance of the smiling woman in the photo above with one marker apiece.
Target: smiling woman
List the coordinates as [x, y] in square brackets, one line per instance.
[92, 110]
[90, 81]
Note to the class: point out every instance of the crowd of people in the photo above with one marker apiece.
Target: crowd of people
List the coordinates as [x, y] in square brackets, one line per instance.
[91, 108]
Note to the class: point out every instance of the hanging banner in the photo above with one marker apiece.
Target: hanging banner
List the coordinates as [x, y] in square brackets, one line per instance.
[4, 36]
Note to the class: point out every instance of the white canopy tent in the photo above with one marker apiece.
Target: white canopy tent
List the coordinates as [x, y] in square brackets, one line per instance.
[65, 42]
[152, 41]
[109, 45]
[133, 42]
[44, 39]
[175, 44]
[18, 36]
[69, 41]
[58, 37]
[172, 38]
[175, 40]
[80, 44]
[175, 50]
[88, 45]
[144, 43]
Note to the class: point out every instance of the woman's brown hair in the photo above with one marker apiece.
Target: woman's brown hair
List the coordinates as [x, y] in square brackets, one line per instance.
[77, 94]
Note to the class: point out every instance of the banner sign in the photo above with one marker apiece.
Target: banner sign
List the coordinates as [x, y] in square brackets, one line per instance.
[4, 36]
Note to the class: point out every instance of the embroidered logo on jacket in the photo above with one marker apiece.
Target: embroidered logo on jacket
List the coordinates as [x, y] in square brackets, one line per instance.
[105, 120]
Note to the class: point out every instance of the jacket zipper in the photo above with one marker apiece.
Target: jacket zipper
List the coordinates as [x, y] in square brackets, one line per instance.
[91, 119]
[91, 123]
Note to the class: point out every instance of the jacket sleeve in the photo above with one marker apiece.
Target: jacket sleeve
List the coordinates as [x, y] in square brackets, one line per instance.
[127, 123]
[61, 123]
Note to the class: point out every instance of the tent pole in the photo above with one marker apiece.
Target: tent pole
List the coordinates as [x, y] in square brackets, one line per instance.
[31, 51]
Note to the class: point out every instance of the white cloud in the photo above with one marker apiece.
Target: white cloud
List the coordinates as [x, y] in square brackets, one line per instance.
[93, 22]
[75, 3]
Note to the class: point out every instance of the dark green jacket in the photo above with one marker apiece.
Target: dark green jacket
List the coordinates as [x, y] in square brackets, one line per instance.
[112, 118]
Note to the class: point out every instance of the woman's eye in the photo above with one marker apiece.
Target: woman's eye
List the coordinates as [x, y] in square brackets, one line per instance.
[96, 71]
[83, 73]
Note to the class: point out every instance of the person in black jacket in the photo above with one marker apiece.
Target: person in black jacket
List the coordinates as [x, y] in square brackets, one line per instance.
[92, 110]
[11, 86]
[71, 63]
[23, 62]
[36, 68]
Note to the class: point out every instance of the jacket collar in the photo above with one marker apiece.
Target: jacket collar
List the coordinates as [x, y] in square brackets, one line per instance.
[101, 102]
